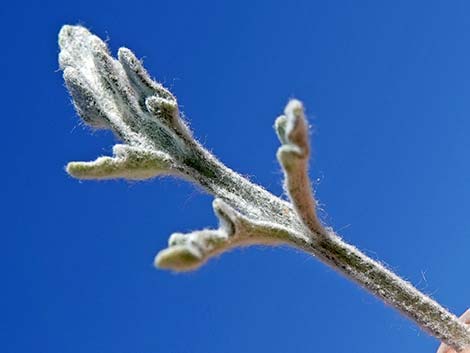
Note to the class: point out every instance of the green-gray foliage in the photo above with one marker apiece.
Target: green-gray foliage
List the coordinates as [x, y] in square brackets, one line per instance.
[119, 95]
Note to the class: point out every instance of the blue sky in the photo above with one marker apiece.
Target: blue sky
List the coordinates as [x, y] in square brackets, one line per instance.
[386, 85]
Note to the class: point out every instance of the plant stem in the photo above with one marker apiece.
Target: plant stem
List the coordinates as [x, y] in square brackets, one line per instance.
[120, 95]
[400, 294]
[333, 251]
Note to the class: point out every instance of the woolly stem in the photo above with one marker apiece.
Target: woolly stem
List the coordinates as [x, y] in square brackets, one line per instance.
[392, 289]
[341, 256]
[345, 258]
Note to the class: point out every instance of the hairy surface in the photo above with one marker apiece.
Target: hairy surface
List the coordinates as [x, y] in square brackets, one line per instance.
[120, 95]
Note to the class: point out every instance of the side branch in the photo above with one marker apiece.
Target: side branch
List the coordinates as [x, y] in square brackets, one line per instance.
[187, 252]
[293, 155]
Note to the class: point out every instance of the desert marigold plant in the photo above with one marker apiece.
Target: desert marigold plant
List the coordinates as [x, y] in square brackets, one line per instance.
[119, 95]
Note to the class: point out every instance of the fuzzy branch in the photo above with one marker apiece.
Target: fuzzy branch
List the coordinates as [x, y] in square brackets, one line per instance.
[120, 95]
[293, 156]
